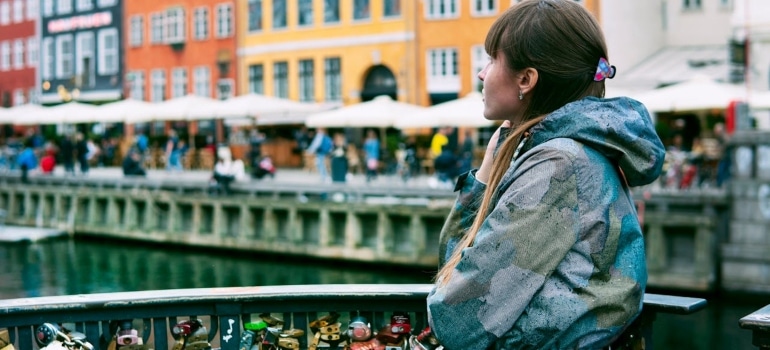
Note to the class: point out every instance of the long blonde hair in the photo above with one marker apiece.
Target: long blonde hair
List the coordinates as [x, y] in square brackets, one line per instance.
[499, 167]
[563, 42]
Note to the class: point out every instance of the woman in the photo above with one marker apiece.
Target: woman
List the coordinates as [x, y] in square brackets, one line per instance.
[542, 249]
[371, 149]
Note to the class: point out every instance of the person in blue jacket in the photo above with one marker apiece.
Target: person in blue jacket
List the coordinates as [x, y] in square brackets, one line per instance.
[26, 161]
[542, 249]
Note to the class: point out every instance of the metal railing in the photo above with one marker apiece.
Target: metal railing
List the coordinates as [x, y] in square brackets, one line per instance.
[225, 311]
[758, 322]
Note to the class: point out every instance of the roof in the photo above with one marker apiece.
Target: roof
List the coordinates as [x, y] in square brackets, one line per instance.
[672, 65]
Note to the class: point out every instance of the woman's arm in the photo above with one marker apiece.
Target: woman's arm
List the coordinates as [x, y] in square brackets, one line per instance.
[530, 230]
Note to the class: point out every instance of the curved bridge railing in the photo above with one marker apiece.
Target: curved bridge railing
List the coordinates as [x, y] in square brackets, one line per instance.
[227, 313]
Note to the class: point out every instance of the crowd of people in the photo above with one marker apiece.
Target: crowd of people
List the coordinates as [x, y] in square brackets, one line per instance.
[701, 162]
[335, 157]
[75, 152]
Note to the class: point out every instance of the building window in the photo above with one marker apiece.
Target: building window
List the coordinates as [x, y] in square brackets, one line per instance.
[158, 85]
[63, 7]
[479, 60]
[306, 85]
[224, 20]
[64, 57]
[442, 63]
[137, 30]
[178, 82]
[137, 85]
[391, 8]
[32, 9]
[156, 28]
[5, 13]
[201, 23]
[225, 89]
[107, 3]
[305, 12]
[34, 96]
[18, 97]
[281, 79]
[256, 79]
[85, 61]
[361, 10]
[175, 32]
[47, 8]
[202, 81]
[255, 15]
[483, 7]
[48, 64]
[331, 11]
[18, 54]
[279, 13]
[437, 9]
[5, 56]
[691, 4]
[85, 5]
[18, 13]
[332, 80]
[32, 52]
[108, 51]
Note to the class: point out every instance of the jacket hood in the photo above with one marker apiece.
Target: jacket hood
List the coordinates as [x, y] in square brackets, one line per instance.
[620, 128]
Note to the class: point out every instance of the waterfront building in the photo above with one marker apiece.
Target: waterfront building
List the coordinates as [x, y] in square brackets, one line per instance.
[178, 48]
[655, 44]
[448, 65]
[750, 43]
[81, 51]
[19, 49]
[334, 52]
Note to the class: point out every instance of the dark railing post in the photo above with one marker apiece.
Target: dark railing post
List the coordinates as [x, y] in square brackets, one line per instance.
[758, 322]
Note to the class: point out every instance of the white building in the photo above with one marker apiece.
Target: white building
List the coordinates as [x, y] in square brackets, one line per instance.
[660, 42]
[751, 22]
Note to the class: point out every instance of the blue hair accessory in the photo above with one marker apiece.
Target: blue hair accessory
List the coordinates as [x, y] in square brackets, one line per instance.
[604, 70]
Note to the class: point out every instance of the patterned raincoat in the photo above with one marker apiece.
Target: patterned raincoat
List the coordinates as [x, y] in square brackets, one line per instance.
[559, 263]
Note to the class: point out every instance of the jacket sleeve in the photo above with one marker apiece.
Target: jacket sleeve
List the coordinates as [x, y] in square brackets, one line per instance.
[532, 226]
[462, 214]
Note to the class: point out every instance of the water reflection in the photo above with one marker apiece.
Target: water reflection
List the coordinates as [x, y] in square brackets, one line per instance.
[60, 267]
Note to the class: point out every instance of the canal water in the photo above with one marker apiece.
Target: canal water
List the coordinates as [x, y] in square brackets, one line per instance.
[78, 266]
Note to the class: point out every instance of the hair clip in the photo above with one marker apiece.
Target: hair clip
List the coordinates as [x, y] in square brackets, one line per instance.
[604, 70]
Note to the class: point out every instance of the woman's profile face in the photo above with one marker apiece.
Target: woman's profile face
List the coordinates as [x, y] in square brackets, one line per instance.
[501, 91]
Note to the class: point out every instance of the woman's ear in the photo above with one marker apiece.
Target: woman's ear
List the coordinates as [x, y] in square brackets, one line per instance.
[527, 80]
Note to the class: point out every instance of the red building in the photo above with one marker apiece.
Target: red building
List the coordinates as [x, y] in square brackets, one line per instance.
[179, 48]
[19, 49]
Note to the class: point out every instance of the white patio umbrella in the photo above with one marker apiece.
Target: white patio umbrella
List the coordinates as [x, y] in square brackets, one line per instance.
[29, 114]
[260, 106]
[124, 110]
[5, 116]
[698, 93]
[188, 107]
[759, 100]
[382, 112]
[71, 113]
[467, 111]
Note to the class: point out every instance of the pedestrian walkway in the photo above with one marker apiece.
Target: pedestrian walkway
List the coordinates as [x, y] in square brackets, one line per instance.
[283, 176]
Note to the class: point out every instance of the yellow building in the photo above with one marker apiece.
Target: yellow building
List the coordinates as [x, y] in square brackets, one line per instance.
[348, 51]
[326, 51]
[450, 36]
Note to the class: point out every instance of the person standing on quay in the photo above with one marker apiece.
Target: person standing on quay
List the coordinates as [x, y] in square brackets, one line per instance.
[81, 152]
[371, 155]
[321, 146]
[67, 154]
[542, 249]
[173, 157]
